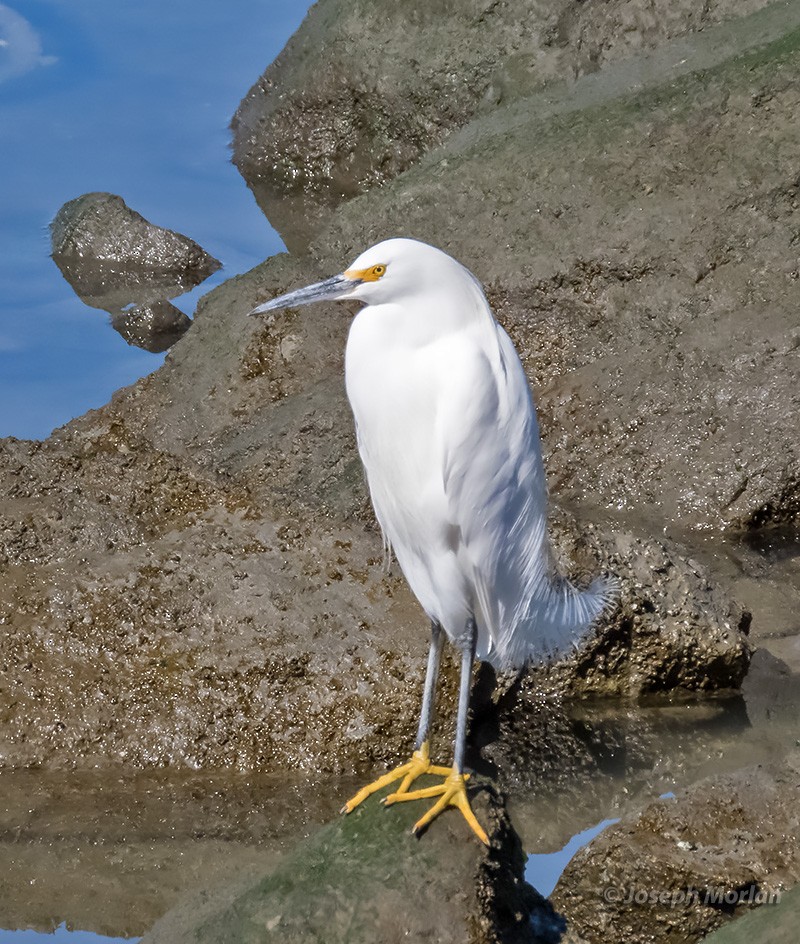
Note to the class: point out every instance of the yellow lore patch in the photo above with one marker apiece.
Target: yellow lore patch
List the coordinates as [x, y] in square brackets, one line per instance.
[366, 275]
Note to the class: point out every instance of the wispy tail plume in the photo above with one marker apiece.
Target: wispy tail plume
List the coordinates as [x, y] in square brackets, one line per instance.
[555, 621]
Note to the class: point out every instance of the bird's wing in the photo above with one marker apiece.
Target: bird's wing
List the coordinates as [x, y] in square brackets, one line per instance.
[494, 479]
[497, 497]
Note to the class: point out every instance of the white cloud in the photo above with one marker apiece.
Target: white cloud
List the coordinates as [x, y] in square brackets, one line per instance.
[20, 45]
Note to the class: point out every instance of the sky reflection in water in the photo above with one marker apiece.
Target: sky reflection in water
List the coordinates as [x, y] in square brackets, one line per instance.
[60, 936]
[543, 870]
[133, 99]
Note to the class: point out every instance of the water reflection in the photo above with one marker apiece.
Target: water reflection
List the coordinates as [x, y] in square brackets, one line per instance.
[155, 327]
[617, 758]
[112, 851]
[544, 869]
[61, 935]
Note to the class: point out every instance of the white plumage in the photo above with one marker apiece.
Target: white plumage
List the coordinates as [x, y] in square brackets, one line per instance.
[448, 436]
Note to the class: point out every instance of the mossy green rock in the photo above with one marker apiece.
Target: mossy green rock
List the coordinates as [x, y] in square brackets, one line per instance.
[770, 924]
[366, 877]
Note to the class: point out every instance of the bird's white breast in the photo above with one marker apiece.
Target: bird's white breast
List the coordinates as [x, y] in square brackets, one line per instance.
[393, 387]
[394, 384]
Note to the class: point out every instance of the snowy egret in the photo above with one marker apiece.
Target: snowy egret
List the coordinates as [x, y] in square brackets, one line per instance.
[447, 432]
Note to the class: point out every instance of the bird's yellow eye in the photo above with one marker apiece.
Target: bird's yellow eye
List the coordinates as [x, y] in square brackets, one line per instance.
[367, 275]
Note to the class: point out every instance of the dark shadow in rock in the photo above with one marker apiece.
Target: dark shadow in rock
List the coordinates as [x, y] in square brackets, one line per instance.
[776, 543]
[484, 726]
[119, 262]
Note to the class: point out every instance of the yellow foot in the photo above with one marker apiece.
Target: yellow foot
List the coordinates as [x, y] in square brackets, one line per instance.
[419, 764]
[453, 792]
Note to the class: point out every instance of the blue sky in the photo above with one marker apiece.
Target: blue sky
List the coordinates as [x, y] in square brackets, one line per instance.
[134, 99]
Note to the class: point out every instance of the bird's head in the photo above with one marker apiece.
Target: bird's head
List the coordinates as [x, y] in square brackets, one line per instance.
[387, 272]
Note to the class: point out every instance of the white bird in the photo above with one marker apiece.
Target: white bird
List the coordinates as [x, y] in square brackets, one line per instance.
[447, 433]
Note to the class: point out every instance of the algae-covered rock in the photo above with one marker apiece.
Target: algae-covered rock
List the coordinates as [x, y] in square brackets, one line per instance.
[775, 924]
[366, 877]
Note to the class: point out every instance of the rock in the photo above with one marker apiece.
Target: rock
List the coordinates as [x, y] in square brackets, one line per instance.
[363, 90]
[356, 879]
[115, 259]
[595, 297]
[771, 925]
[154, 327]
[656, 390]
[690, 863]
[208, 534]
[199, 556]
[771, 688]
[763, 573]
[671, 630]
[98, 239]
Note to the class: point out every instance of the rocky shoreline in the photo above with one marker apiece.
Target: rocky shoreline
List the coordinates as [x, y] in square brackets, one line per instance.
[192, 576]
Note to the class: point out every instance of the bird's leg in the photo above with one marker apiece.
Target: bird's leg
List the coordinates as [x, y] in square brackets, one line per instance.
[420, 762]
[453, 792]
[429, 694]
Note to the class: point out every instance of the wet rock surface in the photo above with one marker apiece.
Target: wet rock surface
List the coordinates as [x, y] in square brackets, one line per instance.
[650, 283]
[362, 90]
[772, 925]
[736, 835]
[214, 546]
[365, 877]
[117, 260]
[208, 533]
[672, 629]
